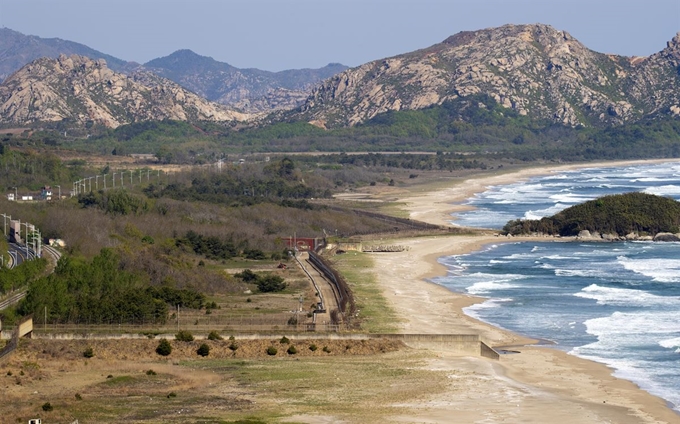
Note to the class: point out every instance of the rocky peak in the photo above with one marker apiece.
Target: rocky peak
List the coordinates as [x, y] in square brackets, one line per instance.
[535, 70]
[83, 90]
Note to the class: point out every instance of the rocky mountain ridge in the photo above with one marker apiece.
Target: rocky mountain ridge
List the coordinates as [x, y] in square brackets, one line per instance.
[86, 92]
[250, 90]
[535, 70]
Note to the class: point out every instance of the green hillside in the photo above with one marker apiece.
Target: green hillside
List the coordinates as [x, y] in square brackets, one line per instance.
[620, 214]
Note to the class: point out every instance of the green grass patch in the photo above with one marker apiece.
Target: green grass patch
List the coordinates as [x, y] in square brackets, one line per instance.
[375, 314]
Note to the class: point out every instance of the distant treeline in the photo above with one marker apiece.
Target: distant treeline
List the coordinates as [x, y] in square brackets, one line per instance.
[620, 214]
[473, 125]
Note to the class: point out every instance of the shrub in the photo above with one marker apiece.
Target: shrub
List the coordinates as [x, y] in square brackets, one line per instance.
[109, 376]
[247, 276]
[78, 397]
[47, 407]
[292, 350]
[326, 349]
[292, 321]
[184, 336]
[164, 348]
[284, 340]
[233, 346]
[313, 347]
[88, 353]
[270, 283]
[151, 372]
[214, 335]
[203, 350]
[271, 351]
[171, 395]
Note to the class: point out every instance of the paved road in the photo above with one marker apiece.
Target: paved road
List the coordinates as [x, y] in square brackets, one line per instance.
[323, 286]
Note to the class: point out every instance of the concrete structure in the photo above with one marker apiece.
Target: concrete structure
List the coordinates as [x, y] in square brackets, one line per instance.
[15, 231]
[304, 243]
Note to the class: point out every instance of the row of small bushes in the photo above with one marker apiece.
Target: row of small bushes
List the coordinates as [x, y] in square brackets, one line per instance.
[164, 347]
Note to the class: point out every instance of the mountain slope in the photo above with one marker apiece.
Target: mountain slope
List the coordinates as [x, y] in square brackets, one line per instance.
[17, 49]
[251, 90]
[85, 91]
[533, 69]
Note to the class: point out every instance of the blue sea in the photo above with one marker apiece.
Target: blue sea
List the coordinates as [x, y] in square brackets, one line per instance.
[615, 303]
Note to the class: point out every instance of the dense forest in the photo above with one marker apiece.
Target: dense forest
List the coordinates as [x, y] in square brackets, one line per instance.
[620, 214]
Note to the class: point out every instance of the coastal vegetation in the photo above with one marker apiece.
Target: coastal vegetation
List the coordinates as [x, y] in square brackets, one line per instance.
[620, 214]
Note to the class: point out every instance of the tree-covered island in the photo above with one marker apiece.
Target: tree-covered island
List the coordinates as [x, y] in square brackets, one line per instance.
[619, 216]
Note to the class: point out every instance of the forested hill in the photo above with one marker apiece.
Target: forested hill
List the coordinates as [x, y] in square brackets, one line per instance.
[620, 214]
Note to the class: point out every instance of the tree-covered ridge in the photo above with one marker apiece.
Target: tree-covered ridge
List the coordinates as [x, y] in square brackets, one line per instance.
[99, 291]
[278, 182]
[620, 214]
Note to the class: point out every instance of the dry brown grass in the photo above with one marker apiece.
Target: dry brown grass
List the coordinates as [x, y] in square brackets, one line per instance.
[223, 387]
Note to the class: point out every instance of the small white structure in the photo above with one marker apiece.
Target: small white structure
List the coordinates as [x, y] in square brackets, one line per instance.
[57, 243]
[46, 193]
[27, 198]
[10, 197]
[35, 421]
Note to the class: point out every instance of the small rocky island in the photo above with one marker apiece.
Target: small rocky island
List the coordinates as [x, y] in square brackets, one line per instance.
[629, 216]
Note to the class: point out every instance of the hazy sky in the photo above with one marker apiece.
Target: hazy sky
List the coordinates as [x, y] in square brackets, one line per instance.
[284, 34]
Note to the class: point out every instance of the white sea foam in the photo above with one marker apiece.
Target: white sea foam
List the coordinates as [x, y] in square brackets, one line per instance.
[588, 273]
[660, 270]
[671, 344]
[665, 190]
[570, 198]
[630, 328]
[541, 213]
[625, 297]
[486, 287]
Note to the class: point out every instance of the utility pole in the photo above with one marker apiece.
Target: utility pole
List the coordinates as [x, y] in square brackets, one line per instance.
[104, 181]
[59, 187]
[5, 221]
[16, 195]
[121, 178]
[130, 177]
[178, 317]
[140, 176]
[96, 182]
[26, 239]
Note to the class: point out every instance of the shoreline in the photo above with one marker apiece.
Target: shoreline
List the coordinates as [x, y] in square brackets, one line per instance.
[569, 380]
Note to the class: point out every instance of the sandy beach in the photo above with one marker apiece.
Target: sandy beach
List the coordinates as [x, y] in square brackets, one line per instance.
[537, 385]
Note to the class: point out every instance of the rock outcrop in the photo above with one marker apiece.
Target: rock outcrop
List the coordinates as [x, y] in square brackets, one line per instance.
[82, 91]
[535, 70]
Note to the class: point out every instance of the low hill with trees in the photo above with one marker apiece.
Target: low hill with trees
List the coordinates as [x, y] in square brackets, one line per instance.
[620, 214]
